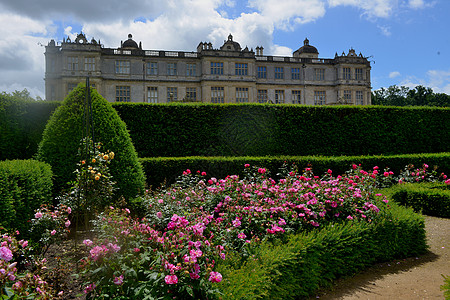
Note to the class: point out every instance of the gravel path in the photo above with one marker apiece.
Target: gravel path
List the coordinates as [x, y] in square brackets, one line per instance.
[412, 278]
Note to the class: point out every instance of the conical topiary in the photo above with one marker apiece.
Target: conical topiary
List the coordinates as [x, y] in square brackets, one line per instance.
[65, 129]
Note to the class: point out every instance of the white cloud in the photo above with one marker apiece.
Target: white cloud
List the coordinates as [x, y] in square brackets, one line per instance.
[437, 80]
[420, 4]
[394, 74]
[385, 30]
[371, 8]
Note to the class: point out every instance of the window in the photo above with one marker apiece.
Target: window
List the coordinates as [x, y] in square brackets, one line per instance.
[319, 74]
[346, 73]
[52, 65]
[71, 86]
[191, 70]
[319, 98]
[152, 94]
[241, 69]
[172, 94]
[191, 94]
[359, 74]
[72, 63]
[279, 96]
[262, 96]
[262, 72]
[123, 93]
[172, 69]
[279, 73]
[348, 96]
[89, 63]
[152, 68]
[217, 94]
[359, 98]
[52, 92]
[296, 97]
[241, 94]
[216, 68]
[122, 67]
[295, 73]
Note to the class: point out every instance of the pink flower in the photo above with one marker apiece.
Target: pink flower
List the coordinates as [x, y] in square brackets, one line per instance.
[67, 223]
[38, 215]
[23, 243]
[89, 288]
[215, 277]
[447, 182]
[236, 222]
[203, 173]
[136, 250]
[87, 242]
[241, 235]
[246, 165]
[350, 217]
[53, 232]
[6, 254]
[118, 280]
[159, 214]
[69, 210]
[281, 222]
[171, 279]
[386, 174]
[114, 247]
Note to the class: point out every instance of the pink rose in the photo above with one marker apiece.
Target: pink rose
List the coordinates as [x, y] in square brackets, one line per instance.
[38, 215]
[215, 277]
[171, 279]
[53, 232]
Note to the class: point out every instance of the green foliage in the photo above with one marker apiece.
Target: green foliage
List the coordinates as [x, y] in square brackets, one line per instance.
[177, 129]
[22, 121]
[446, 287]
[164, 170]
[309, 261]
[431, 199]
[60, 142]
[24, 186]
[404, 96]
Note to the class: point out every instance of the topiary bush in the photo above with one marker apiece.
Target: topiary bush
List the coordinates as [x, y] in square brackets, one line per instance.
[64, 131]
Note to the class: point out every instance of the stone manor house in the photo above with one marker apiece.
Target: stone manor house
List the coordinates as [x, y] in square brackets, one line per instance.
[229, 74]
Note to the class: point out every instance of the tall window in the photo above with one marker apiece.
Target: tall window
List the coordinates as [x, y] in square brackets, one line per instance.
[152, 94]
[279, 73]
[320, 98]
[191, 70]
[191, 94]
[262, 72]
[122, 67]
[241, 69]
[359, 98]
[216, 68]
[172, 69]
[319, 74]
[72, 63]
[89, 64]
[262, 96]
[359, 74]
[172, 94]
[346, 73]
[348, 96]
[295, 73]
[241, 94]
[296, 97]
[217, 94]
[152, 68]
[279, 96]
[122, 93]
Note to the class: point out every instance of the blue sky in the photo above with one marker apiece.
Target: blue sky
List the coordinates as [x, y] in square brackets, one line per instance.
[406, 40]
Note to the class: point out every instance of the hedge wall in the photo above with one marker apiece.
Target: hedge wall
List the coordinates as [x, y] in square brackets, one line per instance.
[24, 186]
[166, 169]
[311, 261]
[21, 126]
[179, 129]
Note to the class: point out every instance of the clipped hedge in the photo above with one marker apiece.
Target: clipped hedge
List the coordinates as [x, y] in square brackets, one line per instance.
[24, 186]
[162, 170]
[65, 129]
[308, 262]
[430, 199]
[21, 126]
[180, 129]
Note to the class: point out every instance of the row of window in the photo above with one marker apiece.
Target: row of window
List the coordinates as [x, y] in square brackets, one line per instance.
[73, 65]
[242, 95]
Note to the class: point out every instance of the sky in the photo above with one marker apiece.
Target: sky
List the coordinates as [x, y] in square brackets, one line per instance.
[407, 41]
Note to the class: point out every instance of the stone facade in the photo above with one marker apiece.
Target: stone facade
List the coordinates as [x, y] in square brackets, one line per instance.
[229, 74]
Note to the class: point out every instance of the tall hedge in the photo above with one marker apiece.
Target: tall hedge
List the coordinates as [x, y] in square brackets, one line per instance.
[24, 186]
[21, 125]
[173, 130]
[64, 131]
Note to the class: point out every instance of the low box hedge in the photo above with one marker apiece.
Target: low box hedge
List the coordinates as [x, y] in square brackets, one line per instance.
[308, 262]
[24, 186]
[160, 170]
[431, 199]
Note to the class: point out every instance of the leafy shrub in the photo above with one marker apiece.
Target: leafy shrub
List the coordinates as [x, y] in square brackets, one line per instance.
[446, 287]
[430, 199]
[24, 186]
[64, 131]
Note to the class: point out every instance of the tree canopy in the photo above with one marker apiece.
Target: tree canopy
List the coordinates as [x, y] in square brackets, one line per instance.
[404, 96]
